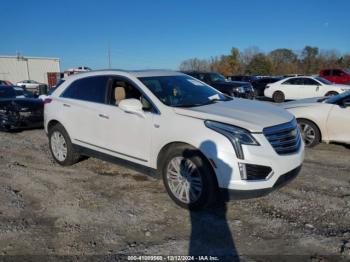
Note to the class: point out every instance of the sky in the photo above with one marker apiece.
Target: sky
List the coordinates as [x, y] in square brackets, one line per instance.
[162, 33]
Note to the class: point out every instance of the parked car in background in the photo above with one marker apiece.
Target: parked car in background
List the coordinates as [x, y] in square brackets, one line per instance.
[219, 82]
[259, 84]
[33, 86]
[243, 78]
[5, 83]
[75, 70]
[302, 87]
[323, 119]
[201, 141]
[19, 109]
[336, 75]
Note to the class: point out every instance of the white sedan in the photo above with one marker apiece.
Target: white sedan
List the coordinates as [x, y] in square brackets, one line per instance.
[293, 88]
[322, 119]
[30, 85]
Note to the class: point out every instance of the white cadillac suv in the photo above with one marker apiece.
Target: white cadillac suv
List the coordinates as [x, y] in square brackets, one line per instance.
[202, 142]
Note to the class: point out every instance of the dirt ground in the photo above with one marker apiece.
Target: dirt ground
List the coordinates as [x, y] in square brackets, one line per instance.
[102, 211]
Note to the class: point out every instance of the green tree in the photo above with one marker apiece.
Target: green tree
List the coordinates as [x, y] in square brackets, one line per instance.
[283, 61]
[260, 64]
[309, 60]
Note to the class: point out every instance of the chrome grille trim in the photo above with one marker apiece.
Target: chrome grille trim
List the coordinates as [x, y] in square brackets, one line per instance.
[284, 138]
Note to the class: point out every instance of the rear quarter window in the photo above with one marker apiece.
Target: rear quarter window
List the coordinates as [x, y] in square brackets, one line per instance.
[92, 89]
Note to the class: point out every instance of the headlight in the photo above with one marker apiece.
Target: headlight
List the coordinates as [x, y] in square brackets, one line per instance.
[240, 89]
[237, 136]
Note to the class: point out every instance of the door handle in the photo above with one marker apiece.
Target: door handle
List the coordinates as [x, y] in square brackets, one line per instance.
[66, 105]
[103, 116]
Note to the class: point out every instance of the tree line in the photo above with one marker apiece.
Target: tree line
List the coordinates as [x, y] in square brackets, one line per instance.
[281, 61]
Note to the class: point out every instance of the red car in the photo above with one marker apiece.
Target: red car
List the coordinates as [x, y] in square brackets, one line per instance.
[336, 75]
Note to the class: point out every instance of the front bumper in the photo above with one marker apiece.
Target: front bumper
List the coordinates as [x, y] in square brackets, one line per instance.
[229, 176]
[249, 94]
[15, 121]
[230, 194]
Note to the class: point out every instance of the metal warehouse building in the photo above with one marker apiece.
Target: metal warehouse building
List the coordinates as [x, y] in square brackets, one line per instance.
[18, 68]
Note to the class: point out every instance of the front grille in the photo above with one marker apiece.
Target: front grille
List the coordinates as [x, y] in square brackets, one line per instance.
[284, 138]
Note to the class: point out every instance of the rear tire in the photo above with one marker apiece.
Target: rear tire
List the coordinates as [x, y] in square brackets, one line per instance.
[332, 93]
[61, 146]
[189, 178]
[278, 97]
[309, 132]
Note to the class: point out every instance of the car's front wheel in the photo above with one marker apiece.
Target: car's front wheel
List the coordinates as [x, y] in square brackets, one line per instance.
[61, 146]
[309, 132]
[189, 178]
[278, 97]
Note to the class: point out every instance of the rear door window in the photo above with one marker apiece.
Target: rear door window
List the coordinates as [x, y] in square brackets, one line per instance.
[309, 82]
[92, 89]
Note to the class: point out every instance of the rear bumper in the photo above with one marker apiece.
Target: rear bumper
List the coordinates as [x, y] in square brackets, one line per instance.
[230, 194]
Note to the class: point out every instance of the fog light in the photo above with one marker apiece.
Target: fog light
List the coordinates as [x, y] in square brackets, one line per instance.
[242, 171]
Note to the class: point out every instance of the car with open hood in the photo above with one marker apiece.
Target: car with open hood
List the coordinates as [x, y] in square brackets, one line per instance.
[19, 109]
[202, 142]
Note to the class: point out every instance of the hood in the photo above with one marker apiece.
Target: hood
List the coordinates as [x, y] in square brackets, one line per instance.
[302, 102]
[341, 86]
[244, 113]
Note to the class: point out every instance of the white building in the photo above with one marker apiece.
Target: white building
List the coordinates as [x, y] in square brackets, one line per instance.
[18, 68]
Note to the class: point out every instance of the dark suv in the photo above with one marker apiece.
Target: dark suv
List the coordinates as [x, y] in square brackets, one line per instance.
[219, 82]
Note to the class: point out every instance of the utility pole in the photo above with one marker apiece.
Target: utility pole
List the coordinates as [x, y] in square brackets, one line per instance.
[109, 55]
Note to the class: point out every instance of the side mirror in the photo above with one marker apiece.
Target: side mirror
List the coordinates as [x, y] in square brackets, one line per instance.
[132, 106]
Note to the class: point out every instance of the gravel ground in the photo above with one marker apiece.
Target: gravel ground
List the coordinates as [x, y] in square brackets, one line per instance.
[101, 211]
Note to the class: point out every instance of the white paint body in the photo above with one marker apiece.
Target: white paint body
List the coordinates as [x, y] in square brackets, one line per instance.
[144, 137]
[332, 120]
[292, 92]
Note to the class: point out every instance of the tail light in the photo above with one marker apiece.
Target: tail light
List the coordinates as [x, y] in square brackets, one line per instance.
[47, 101]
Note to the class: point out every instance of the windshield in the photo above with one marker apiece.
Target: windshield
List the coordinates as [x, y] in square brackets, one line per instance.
[335, 99]
[324, 81]
[182, 91]
[215, 77]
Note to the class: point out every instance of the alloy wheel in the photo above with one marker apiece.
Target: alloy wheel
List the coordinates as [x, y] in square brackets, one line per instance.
[184, 180]
[58, 146]
[307, 133]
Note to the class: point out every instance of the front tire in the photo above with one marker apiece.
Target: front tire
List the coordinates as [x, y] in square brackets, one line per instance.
[189, 178]
[278, 97]
[309, 132]
[61, 146]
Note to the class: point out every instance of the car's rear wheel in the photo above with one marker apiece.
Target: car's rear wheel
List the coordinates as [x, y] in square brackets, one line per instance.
[309, 132]
[332, 93]
[278, 97]
[61, 146]
[189, 178]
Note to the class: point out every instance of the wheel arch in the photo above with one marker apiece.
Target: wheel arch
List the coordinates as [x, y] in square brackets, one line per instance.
[307, 119]
[52, 123]
[163, 151]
